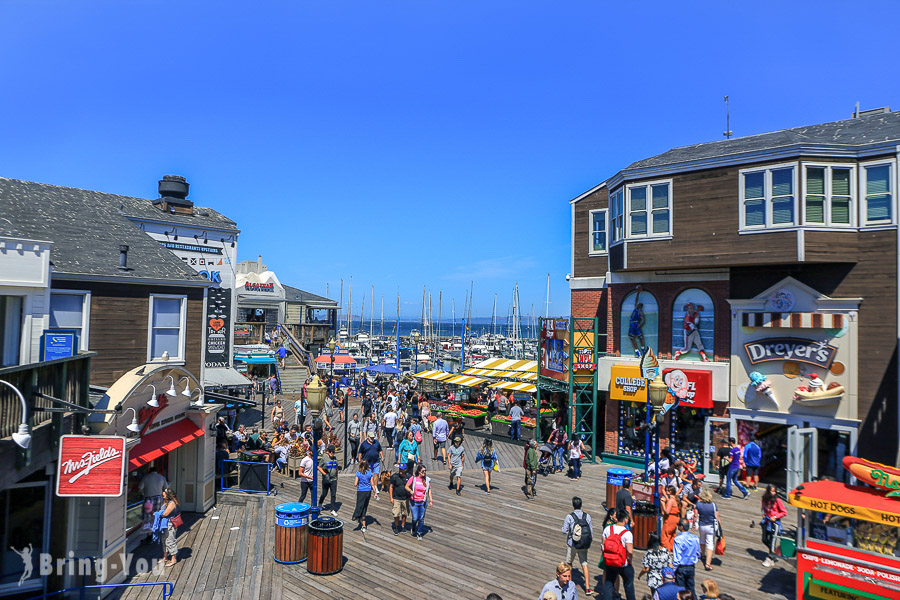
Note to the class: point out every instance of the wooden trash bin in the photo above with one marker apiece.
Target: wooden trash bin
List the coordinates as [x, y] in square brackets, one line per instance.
[643, 525]
[291, 532]
[326, 546]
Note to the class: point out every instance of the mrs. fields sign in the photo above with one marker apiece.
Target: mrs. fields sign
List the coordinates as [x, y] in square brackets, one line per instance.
[91, 466]
[820, 354]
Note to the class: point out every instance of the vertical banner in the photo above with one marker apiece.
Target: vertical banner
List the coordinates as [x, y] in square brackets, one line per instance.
[554, 357]
[218, 317]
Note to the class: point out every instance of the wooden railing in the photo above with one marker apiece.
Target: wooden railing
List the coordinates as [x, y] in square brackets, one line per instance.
[65, 378]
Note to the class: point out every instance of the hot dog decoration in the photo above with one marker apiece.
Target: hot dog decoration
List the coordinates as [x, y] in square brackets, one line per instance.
[875, 474]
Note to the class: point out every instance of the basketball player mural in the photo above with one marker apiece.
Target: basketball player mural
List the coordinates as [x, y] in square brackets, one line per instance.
[692, 332]
[636, 324]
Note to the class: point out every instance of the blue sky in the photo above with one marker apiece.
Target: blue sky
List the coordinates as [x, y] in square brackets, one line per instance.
[414, 143]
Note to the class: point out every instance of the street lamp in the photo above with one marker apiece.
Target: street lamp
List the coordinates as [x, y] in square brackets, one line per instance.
[22, 437]
[657, 391]
[331, 346]
[315, 396]
[415, 336]
[133, 427]
[152, 401]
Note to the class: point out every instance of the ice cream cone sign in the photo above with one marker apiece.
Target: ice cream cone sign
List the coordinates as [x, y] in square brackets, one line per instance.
[759, 382]
[649, 364]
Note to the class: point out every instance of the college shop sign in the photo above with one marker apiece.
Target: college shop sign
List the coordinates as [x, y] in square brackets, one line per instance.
[626, 383]
[811, 352]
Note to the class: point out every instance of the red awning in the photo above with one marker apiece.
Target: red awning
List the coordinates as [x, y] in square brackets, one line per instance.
[162, 441]
[338, 359]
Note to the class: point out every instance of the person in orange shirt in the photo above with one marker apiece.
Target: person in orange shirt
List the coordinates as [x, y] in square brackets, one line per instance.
[671, 513]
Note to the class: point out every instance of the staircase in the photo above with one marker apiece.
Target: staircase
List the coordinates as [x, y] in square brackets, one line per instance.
[292, 375]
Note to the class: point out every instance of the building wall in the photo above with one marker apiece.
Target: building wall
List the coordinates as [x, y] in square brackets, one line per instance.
[585, 265]
[119, 322]
[25, 272]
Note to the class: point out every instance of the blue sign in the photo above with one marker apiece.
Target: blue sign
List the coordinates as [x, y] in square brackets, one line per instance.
[58, 343]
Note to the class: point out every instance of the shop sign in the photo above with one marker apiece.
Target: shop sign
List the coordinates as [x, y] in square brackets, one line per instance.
[218, 315]
[851, 568]
[584, 359]
[689, 387]
[192, 248]
[148, 413]
[866, 513]
[875, 474]
[58, 343]
[820, 354]
[241, 330]
[259, 287]
[626, 383]
[91, 466]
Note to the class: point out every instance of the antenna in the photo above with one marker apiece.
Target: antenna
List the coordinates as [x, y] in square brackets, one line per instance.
[728, 133]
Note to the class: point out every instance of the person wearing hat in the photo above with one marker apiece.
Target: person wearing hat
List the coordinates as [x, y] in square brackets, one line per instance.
[328, 467]
[531, 464]
[371, 451]
[457, 457]
[399, 498]
[669, 589]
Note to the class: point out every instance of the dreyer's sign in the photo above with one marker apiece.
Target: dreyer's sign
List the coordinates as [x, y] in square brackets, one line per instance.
[91, 466]
[820, 354]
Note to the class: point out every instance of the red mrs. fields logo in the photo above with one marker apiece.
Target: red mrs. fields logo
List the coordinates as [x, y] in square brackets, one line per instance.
[91, 466]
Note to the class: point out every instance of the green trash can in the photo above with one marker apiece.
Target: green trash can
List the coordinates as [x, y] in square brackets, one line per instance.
[788, 546]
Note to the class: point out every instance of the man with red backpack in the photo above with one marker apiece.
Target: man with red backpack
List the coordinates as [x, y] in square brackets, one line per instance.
[618, 549]
[579, 535]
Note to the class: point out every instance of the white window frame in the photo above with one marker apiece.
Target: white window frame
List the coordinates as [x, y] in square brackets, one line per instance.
[612, 216]
[83, 341]
[863, 202]
[591, 219]
[767, 196]
[649, 210]
[180, 359]
[828, 194]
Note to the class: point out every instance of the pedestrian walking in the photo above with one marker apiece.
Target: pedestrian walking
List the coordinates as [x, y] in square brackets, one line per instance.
[487, 456]
[457, 463]
[671, 514]
[419, 489]
[624, 499]
[655, 560]
[561, 587]
[576, 452]
[328, 468]
[686, 555]
[579, 535]
[618, 550]
[734, 469]
[371, 451]
[752, 460]
[439, 432]
[306, 475]
[560, 439]
[773, 511]
[399, 498]
[364, 484]
[389, 422]
[354, 429]
[273, 385]
[709, 589]
[530, 464]
[706, 514]
[277, 415]
[281, 353]
[408, 452]
[152, 486]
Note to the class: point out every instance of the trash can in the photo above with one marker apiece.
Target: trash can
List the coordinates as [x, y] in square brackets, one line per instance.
[614, 478]
[644, 524]
[326, 546]
[291, 524]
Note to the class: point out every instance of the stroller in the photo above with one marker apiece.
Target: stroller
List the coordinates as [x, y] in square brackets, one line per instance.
[545, 462]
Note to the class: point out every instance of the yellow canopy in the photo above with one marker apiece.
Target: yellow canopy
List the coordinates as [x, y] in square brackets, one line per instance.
[507, 364]
[528, 388]
[433, 375]
[465, 380]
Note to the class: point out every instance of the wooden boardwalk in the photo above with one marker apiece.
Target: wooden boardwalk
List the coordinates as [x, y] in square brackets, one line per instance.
[474, 543]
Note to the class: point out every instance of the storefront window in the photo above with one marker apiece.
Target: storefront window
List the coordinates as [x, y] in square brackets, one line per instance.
[693, 321]
[639, 323]
[21, 535]
[632, 416]
[838, 529]
[687, 433]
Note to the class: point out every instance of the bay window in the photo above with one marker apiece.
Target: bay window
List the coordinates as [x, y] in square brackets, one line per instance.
[828, 199]
[768, 197]
[877, 189]
[649, 210]
[617, 215]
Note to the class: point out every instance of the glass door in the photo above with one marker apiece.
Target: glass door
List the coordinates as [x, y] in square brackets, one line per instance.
[717, 431]
[803, 455]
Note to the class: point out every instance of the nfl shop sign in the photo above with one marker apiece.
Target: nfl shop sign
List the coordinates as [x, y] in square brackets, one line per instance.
[91, 466]
[689, 386]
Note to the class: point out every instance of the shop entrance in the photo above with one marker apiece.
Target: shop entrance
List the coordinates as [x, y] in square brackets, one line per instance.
[802, 455]
[718, 429]
[773, 442]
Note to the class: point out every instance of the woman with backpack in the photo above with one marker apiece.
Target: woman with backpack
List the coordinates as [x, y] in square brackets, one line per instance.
[487, 456]
[409, 451]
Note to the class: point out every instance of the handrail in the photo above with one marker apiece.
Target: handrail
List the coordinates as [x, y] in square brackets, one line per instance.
[168, 588]
[301, 352]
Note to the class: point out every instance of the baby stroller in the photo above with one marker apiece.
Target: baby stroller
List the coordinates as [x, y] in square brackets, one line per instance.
[545, 462]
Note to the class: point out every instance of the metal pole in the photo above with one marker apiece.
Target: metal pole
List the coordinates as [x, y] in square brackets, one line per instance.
[317, 435]
[656, 479]
[647, 429]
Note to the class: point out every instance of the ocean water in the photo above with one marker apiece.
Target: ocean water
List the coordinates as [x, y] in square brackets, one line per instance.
[446, 328]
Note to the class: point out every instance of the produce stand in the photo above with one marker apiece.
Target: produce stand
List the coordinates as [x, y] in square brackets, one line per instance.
[499, 427]
[847, 544]
[473, 421]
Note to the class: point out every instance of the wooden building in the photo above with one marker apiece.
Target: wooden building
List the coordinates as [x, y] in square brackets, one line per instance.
[789, 235]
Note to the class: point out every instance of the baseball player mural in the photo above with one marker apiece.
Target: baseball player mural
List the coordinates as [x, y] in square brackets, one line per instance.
[692, 331]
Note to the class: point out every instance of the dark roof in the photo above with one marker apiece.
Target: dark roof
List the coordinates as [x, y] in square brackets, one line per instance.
[292, 294]
[139, 208]
[86, 229]
[863, 131]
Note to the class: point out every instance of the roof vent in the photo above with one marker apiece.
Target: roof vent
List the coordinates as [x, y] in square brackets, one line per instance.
[173, 192]
[868, 113]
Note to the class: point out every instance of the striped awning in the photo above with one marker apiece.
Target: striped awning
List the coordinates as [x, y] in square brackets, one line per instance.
[465, 380]
[528, 388]
[794, 320]
[433, 375]
[507, 364]
[527, 377]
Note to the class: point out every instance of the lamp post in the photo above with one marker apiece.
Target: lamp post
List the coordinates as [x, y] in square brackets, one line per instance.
[657, 391]
[315, 396]
[415, 338]
[331, 346]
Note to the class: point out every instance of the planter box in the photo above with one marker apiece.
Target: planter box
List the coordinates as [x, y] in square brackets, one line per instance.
[499, 429]
[473, 422]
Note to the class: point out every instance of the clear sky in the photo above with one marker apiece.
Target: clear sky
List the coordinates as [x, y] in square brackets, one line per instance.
[414, 143]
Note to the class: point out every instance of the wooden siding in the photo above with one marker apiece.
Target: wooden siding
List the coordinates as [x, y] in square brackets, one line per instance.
[119, 321]
[585, 265]
[831, 246]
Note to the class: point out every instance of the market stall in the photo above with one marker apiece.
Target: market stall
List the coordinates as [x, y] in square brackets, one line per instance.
[848, 535]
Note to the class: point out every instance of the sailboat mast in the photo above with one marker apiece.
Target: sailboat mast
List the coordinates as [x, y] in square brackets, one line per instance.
[548, 296]
[382, 316]
[350, 310]
[340, 322]
[371, 315]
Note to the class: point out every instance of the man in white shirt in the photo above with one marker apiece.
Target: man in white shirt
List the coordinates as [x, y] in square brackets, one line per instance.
[389, 423]
[306, 475]
[618, 564]
[152, 486]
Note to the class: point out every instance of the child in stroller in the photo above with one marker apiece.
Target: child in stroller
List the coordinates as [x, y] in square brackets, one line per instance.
[545, 462]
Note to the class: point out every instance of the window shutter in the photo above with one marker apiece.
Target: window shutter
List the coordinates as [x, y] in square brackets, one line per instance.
[878, 180]
[840, 182]
[638, 198]
[639, 223]
[783, 210]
